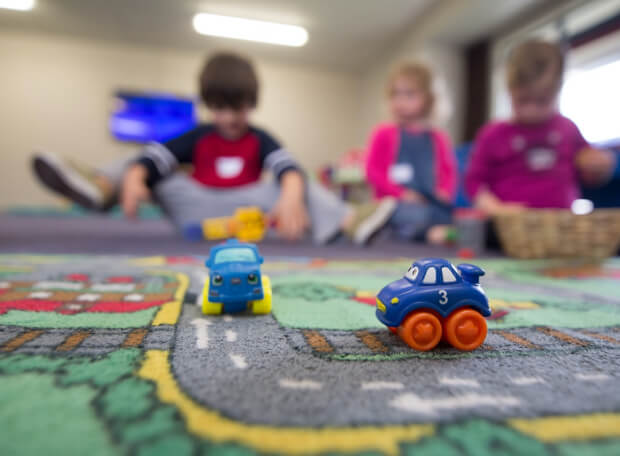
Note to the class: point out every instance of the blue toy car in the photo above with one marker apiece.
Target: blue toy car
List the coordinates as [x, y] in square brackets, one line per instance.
[435, 301]
[235, 282]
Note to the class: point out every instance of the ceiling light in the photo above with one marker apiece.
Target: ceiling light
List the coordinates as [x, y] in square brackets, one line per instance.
[249, 29]
[20, 5]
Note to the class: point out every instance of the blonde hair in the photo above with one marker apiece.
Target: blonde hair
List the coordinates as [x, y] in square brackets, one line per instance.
[535, 61]
[420, 75]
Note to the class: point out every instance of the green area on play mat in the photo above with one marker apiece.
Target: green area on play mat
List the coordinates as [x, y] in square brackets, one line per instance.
[532, 272]
[324, 297]
[98, 407]
[81, 320]
[329, 314]
[553, 310]
[83, 406]
[75, 404]
[145, 211]
[23, 396]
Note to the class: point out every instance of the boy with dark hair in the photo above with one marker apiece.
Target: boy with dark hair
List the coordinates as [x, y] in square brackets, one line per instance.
[228, 157]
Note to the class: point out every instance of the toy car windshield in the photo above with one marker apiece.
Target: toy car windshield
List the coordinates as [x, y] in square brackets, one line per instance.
[240, 254]
[412, 273]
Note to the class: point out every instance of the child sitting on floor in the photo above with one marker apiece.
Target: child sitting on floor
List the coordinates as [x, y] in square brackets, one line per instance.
[228, 157]
[536, 158]
[411, 161]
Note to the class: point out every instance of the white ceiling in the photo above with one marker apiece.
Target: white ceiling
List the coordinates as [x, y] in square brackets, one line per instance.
[343, 33]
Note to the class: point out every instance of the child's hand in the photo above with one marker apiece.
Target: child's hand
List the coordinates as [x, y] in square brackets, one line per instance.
[291, 218]
[595, 166]
[492, 205]
[411, 196]
[134, 190]
[508, 208]
[290, 211]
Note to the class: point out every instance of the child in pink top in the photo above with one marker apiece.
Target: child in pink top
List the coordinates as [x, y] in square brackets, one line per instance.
[411, 161]
[537, 158]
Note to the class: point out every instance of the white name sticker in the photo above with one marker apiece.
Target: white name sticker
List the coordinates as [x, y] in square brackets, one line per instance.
[401, 173]
[541, 158]
[228, 167]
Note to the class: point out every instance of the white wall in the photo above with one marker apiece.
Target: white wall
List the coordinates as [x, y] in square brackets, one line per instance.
[56, 94]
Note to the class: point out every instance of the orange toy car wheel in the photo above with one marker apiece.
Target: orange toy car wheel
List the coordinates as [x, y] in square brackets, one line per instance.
[465, 329]
[421, 330]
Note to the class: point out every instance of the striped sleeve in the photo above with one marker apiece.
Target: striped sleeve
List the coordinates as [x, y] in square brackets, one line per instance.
[162, 159]
[274, 157]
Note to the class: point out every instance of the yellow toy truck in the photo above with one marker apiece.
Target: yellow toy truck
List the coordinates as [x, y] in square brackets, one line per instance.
[247, 224]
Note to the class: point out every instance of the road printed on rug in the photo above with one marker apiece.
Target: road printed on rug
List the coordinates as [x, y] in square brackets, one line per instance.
[301, 383]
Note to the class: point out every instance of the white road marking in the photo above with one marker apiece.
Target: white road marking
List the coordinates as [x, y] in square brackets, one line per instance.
[90, 297]
[135, 297]
[380, 385]
[592, 377]
[49, 284]
[527, 380]
[40, 294]
[227, 318]
[112, 287]
[409, 402]
[231, 336]
[300, 384]
[201, 276]
[451, 381]
[238, 361]
[202, 333]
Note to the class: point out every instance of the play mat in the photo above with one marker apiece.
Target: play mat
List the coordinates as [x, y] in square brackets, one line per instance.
[104, 355]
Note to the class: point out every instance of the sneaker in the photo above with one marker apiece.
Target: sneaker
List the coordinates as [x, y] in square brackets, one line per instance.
[67, 180]
[370, 218]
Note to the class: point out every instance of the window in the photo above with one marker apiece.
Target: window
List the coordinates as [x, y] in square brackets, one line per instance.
[589, 27]
[430, 277]
[241, 254]
[412, 273]
[591, 99]
[447, 275]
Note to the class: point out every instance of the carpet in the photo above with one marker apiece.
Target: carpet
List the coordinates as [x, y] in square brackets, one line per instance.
[109, 355]
[146, 211]
[101, 234]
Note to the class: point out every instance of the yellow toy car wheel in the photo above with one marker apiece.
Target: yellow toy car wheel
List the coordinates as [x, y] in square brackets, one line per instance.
[209, 307]
[263, 306]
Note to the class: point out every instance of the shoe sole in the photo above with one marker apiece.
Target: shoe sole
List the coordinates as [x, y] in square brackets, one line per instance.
[375, 222]
[65, 182]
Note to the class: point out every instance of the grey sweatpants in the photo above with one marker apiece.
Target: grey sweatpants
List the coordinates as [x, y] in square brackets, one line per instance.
[186, 201]
[411, 221]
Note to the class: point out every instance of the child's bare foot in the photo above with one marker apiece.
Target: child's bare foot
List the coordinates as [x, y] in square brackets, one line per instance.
[82, 187]
[438, 234]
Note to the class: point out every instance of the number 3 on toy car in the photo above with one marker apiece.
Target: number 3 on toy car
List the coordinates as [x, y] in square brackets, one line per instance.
[444, 297]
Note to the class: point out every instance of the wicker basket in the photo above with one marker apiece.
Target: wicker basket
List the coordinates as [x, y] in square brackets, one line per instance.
[552, 233]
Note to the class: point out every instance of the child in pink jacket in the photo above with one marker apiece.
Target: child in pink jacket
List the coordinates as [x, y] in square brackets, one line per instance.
[411, 161]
